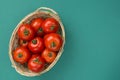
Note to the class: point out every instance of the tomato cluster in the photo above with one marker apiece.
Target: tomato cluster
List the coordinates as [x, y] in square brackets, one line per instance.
[39, 43]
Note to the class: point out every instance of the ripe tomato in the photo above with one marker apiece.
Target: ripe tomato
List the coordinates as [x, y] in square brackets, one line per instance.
[48, 55]
[53, 41]
[21, 55]
[36, 63]
[36, 45]
[23, 43]
[37, 26]
[50, 25]
[25, 32]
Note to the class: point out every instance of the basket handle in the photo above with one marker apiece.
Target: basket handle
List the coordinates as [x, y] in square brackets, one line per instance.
[45, 9]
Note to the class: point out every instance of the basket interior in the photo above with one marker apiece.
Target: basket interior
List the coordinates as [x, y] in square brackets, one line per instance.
[15, 40]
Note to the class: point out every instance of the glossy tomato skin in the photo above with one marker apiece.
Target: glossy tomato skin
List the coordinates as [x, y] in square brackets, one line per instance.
[21, 55]
[48, 55]
[53, 41]
[36, 45]
[23, 43]
[25, 32]
[37, 26]
[36, 63]
[50, 25]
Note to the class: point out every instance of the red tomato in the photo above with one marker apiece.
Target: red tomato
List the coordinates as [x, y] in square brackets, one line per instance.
[53, 41]
[25, 32]
[48, 55]
[50, 25]
[37, 26]
[21, 55]
[36, 45]
[23, 43]
[36, 63]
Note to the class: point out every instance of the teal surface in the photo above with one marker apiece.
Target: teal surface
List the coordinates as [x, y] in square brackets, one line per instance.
[92, 50]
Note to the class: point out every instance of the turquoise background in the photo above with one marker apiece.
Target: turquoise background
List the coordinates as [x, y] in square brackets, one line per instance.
[92, 50]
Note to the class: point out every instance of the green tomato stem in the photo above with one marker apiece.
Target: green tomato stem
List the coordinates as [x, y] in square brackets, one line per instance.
[52, 27]
[40, 30]
[34, 41]
[20, 55]
[37, 61]
[50, 54]
[53, 44]
[26, 32]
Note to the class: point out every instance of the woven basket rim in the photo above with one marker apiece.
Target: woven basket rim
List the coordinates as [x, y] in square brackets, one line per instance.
[53, 14]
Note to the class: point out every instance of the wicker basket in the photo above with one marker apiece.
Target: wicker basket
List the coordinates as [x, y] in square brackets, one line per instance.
[40, 12]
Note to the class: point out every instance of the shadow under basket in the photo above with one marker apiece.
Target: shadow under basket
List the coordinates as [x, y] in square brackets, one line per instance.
[43, 12]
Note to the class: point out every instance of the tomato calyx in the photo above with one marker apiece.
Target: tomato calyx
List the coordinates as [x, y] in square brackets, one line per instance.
[52, 27]
[26, 32]
[24, 42]
[53, 44]
[50, 54]
[37, 61]
[40, 30]
[34, 41]
[20, 55]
